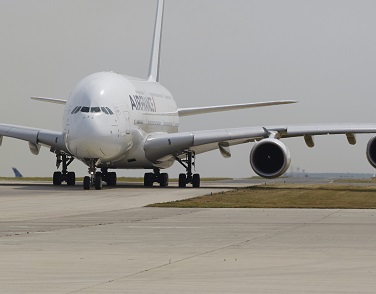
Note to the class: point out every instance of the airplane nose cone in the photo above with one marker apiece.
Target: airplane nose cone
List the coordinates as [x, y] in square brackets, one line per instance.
[89, 137]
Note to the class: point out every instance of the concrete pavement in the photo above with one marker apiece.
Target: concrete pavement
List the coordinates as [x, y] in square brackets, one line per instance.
[66, 240]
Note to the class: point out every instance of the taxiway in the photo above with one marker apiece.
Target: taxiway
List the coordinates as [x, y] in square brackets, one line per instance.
[66, 240]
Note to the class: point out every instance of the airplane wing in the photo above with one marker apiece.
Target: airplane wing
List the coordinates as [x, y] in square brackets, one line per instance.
[36, 137]
[160, 147]
[51, 100]
[219, 108]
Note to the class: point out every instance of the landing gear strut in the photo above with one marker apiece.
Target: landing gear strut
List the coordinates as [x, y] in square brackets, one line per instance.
[94, 178]
[157, 176]
[64, 175]
[188, 178]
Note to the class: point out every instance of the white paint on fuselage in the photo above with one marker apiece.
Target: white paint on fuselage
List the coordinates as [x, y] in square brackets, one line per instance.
[139, 107]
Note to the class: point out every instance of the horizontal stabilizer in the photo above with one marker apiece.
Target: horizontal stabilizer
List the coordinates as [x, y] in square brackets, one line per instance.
[51, 100]
[219, 108]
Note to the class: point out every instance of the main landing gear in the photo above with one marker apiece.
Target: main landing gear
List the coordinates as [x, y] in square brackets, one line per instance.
[96, 178]
[188, 178]
[184, 179]
[156, 177]
[64, 175]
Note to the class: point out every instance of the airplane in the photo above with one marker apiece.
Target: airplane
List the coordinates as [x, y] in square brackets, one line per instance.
[17, 173]
[113, 121]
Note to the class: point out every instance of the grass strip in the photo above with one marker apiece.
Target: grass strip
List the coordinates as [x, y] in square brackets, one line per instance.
[119, 179]
[285, 196]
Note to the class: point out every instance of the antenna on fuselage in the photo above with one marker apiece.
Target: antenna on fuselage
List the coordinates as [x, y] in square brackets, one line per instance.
[155, 52]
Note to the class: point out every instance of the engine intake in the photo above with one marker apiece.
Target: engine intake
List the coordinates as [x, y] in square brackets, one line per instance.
[270, 158]
[371, 151]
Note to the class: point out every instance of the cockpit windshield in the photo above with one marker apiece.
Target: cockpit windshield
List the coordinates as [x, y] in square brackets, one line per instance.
[95, 109]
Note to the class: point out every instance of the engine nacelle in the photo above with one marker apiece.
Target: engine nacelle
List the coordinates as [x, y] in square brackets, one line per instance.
[371, 151]
[270, 158]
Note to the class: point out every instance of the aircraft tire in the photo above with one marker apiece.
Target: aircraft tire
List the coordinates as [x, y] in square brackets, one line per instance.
[148, 179]
[71, 179]
[87, 183]
[182, 180]
[98, 181]
[196, 181]
[163, 180]
[57, 178]
[111, 179]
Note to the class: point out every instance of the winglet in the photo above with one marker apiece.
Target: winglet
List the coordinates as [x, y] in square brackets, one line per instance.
[155, 52]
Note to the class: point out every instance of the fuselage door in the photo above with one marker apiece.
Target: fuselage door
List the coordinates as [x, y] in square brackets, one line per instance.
[124, 120]
[127, 122]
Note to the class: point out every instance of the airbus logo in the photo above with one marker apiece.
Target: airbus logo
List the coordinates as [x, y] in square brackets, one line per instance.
[142, 103]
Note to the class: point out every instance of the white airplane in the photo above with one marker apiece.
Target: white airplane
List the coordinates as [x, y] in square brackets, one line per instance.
[112, 121]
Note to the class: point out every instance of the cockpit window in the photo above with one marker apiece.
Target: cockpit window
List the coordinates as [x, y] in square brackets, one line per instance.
[74, 109]
[95, 109]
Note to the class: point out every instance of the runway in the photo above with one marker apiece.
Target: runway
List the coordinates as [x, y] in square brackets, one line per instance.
[66, 240]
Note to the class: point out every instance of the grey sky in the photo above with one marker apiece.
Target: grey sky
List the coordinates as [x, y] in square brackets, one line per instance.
[321, 53]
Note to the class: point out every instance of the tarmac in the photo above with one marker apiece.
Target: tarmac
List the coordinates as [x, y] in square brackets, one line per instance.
[67, 240]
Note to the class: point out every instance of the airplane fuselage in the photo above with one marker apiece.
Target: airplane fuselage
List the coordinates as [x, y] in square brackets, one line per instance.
[108, 116]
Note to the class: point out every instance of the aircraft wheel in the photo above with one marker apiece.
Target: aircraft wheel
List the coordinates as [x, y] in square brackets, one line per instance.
[163, 180]
[196, 181]
[71, 179]
[182, 180]
[57, 178]
[148, 179]
[87, 183]
[98, 181]
[111, 179]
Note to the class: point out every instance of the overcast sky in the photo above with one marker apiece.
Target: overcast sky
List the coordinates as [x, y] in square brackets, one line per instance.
[321, 53]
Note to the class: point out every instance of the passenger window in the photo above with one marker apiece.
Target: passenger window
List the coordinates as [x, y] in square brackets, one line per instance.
[109, 110]
[78, 109]
[74, 109]
[104, 110]
[95, 109]
[85, 109]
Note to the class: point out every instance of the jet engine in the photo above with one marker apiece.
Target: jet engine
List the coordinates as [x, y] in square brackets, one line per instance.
[371, 151]
[270, 158]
